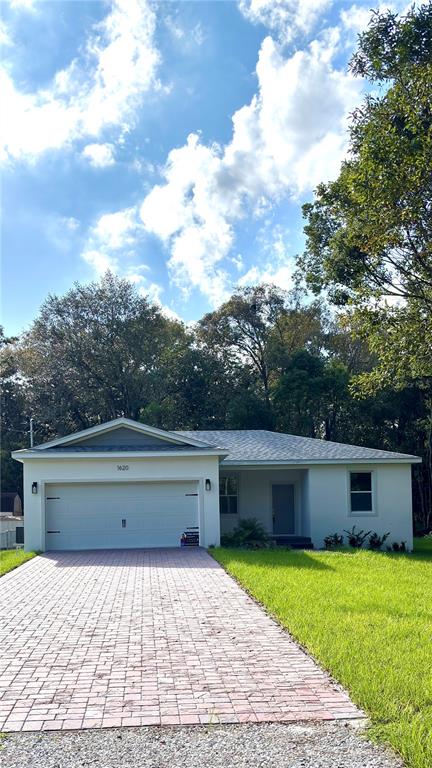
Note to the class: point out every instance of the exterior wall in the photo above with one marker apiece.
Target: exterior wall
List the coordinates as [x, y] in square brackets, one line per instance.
[255, 496]
[328, 503]
[321, 493]
[84, 469]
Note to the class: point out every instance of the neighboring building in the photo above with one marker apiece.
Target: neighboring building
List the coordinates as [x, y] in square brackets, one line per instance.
[11, 520]
[11, 504]
[123, 484]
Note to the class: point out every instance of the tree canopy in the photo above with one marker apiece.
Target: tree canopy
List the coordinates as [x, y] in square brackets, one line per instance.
[264, 360]
[369, 232]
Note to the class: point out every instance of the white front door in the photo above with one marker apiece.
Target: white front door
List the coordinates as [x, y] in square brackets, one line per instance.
[119, 515]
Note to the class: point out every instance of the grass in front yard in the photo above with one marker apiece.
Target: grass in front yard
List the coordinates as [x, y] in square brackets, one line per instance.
[12, 558]
[423, 546]
[367, 618]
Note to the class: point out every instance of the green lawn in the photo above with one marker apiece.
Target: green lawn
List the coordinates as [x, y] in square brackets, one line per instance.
[424, 545]
[367, 618]
[12, 558]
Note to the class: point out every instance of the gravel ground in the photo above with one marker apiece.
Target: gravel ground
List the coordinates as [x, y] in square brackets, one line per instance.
[317, 745]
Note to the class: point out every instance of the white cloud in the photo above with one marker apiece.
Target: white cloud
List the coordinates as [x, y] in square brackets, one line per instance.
[355, 18]
[103, 253]
[277, 265]
[291, 136]
[117, 230]
[285, 18]
[153, 292]
[280, 276]
[5, 38]
[190, 214]
[100, 88]
[99, 155]
[187, 38]
[70, 223]
[113, 244]
[26, 5]
[100, 262]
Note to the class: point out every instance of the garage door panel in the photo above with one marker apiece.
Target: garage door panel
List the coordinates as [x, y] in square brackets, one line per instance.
[89, 516]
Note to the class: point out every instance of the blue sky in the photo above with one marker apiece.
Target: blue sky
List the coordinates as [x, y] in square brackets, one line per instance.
[172, 143]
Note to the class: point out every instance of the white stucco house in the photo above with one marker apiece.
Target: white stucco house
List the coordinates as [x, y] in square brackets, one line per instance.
[123, 484]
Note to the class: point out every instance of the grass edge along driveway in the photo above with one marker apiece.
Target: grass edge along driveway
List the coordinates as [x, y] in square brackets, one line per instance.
[12, 558]
[364, 616]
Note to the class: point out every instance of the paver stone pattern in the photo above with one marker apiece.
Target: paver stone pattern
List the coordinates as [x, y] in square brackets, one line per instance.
[147, 637]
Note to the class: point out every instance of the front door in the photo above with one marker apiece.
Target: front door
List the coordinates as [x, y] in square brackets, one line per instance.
[283, 510]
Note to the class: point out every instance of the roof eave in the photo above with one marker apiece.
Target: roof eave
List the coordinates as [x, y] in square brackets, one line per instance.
[41, 455]
[306, 463]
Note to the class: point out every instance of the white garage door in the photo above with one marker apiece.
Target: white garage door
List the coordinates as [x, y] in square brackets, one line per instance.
[119, 515]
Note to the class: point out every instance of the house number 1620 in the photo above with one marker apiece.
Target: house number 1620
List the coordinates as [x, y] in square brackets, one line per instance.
[122, 467]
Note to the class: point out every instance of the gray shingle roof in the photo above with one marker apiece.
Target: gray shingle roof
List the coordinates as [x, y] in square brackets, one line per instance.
[260, 445]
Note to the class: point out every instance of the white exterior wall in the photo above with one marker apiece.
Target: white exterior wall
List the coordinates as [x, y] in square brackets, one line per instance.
[321, 493]
[94, 470]
[255, 496]
[329, 502]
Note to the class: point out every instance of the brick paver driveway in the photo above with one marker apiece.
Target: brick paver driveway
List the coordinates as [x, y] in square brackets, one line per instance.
[142, 637]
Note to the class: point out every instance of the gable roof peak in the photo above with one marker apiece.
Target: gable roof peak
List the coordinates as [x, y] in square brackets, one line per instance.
[123, 421]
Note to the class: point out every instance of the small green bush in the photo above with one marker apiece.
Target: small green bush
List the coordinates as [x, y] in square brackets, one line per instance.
[356, 539]
[376, 541]
[396, 547]
[333, 540]
[248, 534]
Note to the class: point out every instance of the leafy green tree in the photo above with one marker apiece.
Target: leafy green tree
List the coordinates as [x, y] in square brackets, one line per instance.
[369, 233]
[14, 418]
[247, 410]
[241, 328]
[301, 326]
[102, 350]
[93, 355]
[310, 394]
[196, 389]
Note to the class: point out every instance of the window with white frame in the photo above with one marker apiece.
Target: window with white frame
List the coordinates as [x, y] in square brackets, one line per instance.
[228, 495]
[361, 493]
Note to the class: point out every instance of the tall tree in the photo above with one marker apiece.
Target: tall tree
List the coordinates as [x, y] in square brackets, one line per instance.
[241, 328]
[310, 395]
[14, 415]
[196, 390]
[369, 233]
[302, 326]
[94, 354]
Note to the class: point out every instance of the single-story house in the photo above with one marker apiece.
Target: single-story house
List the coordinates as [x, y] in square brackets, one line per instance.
[124, 484]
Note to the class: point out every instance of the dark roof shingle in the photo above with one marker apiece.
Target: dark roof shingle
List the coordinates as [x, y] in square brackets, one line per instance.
[260, 445]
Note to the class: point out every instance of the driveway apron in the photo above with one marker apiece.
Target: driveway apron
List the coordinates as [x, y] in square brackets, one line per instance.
[147, 637]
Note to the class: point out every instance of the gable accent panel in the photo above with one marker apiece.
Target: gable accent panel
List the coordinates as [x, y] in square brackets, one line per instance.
[122, 437]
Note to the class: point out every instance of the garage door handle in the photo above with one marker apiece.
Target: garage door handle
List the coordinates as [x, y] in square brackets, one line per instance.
[123, 523]
[53, 531]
